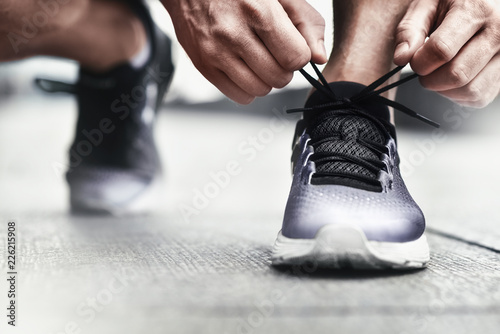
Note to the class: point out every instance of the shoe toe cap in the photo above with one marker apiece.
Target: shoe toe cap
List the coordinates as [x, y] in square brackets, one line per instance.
[381, 216]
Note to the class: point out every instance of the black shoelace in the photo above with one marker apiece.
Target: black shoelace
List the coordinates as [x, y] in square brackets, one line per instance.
[356, 163]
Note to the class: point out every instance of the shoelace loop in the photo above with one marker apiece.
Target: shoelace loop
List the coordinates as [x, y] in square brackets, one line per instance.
[363, 168]
[369, 92]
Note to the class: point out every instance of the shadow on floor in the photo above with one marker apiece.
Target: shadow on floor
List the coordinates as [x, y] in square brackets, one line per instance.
[311, 272]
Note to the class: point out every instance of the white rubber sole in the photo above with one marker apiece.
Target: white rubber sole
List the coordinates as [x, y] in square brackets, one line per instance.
[347, 247]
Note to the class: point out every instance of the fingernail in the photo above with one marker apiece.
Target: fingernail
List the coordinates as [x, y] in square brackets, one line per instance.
[400, 49]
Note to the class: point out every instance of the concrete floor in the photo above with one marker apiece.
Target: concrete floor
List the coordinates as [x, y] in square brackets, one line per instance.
[209, 271]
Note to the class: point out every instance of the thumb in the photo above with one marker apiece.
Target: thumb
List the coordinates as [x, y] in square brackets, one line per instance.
[310, 24]
[413, 29]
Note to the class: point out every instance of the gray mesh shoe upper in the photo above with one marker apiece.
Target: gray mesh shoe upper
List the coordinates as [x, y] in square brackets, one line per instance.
[345, 172]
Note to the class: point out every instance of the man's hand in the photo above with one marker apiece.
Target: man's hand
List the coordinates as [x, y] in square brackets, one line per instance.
[247, 47]
[461, 59]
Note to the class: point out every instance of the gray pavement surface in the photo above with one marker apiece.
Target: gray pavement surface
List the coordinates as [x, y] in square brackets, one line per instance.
[202, 265]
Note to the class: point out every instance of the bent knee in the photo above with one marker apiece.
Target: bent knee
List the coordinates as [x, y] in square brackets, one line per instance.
[33, 17]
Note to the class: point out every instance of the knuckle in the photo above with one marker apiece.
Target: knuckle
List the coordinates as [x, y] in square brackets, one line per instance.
[481, 104]
[459, 76]
[294, 62]
[263, 91]
[228, 36]
[243, 46]
[441, 50]
[203, 64]
[225, 33]
[494, 32]
[245, 100]
[208, 57]
[480, 9]
[254, 11]
[283, 80]
[208, 50]
[424, 82]
[476, 104]
[474, 93]
[319, 20]
[405, 28]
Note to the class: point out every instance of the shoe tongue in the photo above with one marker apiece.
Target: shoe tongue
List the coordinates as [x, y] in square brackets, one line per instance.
[346, 89]
[345, 132]
[349, 127]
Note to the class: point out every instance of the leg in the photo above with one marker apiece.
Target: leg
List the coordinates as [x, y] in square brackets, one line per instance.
[125, 71]
[364, 32]
[98, 34]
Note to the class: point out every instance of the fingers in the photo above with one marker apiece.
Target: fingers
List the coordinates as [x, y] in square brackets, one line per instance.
[246, 79]
[281, 37]
[465, 66]
[247, 64]
[311, 26]
[246, 47]
[227, 86]
[264, 65]
[413, 29]
[480, 91]
[285, 39]
[240, 83]
[241, 74]
[457, 28]
[460, 60]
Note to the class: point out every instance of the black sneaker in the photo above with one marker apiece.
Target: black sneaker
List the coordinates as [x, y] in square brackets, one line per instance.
[348, 205]
[114, 164]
